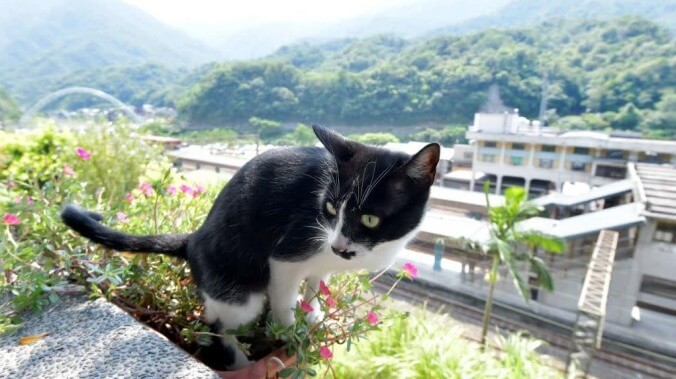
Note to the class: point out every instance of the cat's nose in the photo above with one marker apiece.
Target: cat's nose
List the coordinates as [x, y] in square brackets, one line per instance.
[343, 252]
[339, 249]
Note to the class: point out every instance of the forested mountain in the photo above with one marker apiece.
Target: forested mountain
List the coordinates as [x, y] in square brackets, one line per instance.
[434, 18]
[42, 40]
[532, 12]
[595, 67]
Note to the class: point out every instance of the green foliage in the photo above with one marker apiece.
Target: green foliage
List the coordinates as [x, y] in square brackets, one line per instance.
[304, 136]
[511, 245]
[427, 345]
[448, 136]
[374, 138]
[592, 67]
[266, 129]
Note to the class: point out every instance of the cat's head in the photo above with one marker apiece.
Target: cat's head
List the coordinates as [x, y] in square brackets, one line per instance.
[375, 198]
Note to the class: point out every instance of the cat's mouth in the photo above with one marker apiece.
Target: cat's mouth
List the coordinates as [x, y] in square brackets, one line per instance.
[345, 254]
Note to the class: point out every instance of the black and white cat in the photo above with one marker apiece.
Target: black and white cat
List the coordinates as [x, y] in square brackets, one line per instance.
[291, 215]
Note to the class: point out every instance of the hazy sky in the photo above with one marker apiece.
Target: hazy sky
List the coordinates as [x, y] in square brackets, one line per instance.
[248, 12]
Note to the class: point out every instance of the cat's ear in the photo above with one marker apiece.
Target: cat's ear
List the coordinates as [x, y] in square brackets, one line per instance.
[341, 148]
[423, 165]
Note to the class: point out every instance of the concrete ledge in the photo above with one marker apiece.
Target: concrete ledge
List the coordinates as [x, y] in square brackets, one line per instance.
[93, 339]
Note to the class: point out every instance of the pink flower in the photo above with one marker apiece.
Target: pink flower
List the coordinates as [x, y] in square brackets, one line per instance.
[11, 184]
[187, 190]
[171, 190]
[11, 219]
[305, 306]
[331, 302]
[325, 353]
[129, 197]
[199, 189]
[372, 318]
[324, 289]
[20, 199]
[82, 153]
[67, 170]
[146, 188]
[121, 217]
[410, 270]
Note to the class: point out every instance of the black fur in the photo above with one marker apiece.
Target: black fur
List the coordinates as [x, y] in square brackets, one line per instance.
[87, 224]
[273, 205]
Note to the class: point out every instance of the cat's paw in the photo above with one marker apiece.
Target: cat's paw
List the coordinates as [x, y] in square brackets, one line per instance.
[315, 317]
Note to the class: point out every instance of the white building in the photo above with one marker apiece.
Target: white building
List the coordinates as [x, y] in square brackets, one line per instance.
[510, 150]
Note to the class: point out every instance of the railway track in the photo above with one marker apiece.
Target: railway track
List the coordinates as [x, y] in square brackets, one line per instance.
[631, 361]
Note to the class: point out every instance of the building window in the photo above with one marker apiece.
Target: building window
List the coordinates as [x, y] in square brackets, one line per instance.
[490, 144]
[578, 166]
[488, 158]
[518, 146]
[665, 233]
[546, 163]
[658, 287]
[615, 154]
[516, 161]
[652, 157]
[468, 155]
[548, 148]
[581, 151]
[611, 172]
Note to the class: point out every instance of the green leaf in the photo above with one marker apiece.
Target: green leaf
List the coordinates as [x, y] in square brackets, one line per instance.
[547, 243]
[543, 276]
[506, 256]
[285, 373]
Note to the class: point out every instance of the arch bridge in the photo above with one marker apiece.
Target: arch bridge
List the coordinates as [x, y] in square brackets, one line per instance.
[37, 107]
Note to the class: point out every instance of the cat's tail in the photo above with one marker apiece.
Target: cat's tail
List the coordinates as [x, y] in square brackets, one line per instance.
[87, 225]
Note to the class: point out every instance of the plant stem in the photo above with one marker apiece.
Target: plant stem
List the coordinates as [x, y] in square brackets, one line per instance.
[157, 197]
[489, 301]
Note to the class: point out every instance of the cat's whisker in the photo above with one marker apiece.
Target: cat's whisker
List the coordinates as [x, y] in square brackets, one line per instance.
[380, 177]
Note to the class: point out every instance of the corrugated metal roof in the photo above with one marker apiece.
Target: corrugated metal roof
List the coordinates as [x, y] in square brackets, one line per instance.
[615, 218]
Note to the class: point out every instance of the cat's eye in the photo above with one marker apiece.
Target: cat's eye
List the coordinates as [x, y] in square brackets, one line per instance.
[331, 209]
[370, 221]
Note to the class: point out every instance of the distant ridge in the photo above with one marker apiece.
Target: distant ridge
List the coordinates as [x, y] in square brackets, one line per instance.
[44, 39]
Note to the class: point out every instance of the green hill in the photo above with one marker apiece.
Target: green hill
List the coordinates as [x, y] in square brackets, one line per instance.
[591, 66]
[41, 41]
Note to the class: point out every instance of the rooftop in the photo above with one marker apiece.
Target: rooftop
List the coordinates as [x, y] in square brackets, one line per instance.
[659, 185]
[596, 193]
[615, 218]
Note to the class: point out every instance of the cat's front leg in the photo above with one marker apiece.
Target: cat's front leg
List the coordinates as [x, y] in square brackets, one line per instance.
[312, 296]
[283, 291]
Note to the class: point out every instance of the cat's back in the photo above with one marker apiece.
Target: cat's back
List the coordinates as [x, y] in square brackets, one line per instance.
[275, 181]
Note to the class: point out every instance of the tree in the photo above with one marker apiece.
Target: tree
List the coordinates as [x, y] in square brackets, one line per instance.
[509, 244]
[303, 135]
[375, 138]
